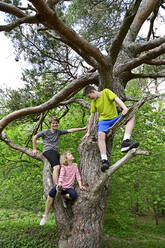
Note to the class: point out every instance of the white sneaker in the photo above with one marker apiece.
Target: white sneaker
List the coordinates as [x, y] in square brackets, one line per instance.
[44, 219]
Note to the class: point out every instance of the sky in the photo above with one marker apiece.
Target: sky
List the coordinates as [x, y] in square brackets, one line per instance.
[10, 69]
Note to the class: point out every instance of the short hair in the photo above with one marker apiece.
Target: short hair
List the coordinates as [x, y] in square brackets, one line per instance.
[53, 118]
[63, 158]
[88, 89]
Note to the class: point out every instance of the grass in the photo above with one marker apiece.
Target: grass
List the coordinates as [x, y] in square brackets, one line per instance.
[141, 234]
[20, 229]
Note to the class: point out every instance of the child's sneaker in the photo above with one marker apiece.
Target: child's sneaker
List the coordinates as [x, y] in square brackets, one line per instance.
[128, 145]
[44, 219]
[105, 165]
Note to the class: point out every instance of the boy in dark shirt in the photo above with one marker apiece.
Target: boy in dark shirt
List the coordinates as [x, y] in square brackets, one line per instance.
[50, 140]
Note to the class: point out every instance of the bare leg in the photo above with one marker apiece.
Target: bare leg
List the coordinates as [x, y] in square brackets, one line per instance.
[67, 196]
[130, 125]
[56, 171]
[101, 143]
[48, 205]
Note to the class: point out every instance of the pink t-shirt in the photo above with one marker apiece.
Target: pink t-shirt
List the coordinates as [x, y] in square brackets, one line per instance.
[68, 174]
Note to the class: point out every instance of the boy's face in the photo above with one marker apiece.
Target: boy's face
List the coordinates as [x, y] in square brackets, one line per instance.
[54, 125]
[92, 95]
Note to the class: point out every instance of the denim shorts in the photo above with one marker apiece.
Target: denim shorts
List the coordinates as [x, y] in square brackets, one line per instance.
[103, 126]
[72, 192]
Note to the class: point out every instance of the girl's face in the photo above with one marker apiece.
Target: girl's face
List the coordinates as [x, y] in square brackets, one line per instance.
[70, 157]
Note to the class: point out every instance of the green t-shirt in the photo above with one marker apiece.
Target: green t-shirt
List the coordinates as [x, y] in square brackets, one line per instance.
[105, 105]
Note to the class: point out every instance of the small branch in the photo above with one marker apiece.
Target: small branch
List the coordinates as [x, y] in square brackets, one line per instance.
[155, 62]
[148, 75]
[88, 59]
[103, 179]
[50, 19]
[66, 92]
[11, 9]
[152, 54]
[152, 19]
[28, 152]
[28, 19]
[42, 117]
[146, 46]
[82, 102]
[130, 113]
[27, 8]
[128, 19]
[144, 11]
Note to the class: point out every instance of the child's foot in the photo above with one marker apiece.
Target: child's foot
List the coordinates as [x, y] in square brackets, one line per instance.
[44, 219]
[105, 165]
[128, 145]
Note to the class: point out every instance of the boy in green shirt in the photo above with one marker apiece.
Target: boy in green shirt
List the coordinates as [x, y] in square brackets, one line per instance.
[104, 103]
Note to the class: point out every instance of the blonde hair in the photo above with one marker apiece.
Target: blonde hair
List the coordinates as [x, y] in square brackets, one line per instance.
[63, 158]
[53, 118]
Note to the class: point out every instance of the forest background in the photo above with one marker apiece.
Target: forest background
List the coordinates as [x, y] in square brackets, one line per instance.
[134, 216]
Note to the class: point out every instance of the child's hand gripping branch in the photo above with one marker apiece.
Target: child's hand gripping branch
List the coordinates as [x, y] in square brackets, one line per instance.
[104, 103]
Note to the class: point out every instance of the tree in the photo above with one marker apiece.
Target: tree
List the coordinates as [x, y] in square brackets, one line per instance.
[83, 225]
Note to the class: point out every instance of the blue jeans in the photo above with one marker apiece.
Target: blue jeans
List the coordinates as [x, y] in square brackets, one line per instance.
[72, 192]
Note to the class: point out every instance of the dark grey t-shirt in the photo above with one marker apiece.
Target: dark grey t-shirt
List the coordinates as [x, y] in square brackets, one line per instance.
[50, 140]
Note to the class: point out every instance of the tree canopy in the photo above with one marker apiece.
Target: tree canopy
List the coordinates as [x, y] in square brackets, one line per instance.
[71, 44]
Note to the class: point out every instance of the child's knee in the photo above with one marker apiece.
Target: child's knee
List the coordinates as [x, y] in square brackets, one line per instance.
[52, 192]
[56, 168]
[101, 136]
[73, 195]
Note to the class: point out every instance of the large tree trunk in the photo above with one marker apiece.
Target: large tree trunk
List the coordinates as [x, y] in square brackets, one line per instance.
[87, 218]
[81, 223]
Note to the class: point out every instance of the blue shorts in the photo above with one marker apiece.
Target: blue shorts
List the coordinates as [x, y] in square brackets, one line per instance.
[103, 126]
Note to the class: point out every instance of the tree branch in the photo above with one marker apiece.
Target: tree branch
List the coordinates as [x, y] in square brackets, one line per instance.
[50, 19]
[146, 46]
[128, 19]
[77, 84]
[4, 138]
[148, 75]
[130, 113]
[144, 11]
[103, 179]
[11, 9]
[155, 62]
[27, 19]
[152, 54]
[87, 58]
[82, 102]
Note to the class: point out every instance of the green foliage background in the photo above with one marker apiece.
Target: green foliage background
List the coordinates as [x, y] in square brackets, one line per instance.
[137, 189]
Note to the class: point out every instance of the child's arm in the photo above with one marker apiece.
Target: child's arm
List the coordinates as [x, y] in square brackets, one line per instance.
[81, 186]
[76, 129]
[61, 177]
[78, 177]
[34, 145]
[91, 119]
[122, 105]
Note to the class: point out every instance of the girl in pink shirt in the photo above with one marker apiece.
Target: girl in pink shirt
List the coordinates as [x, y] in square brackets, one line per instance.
[68, 173]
